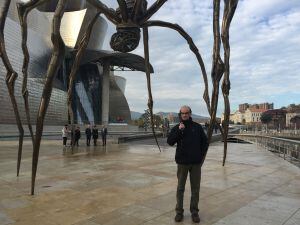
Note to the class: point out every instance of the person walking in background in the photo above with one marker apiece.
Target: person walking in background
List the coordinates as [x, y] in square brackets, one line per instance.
[77, 136]
[88, 134]
[65, 132]
[206, 126]
[103, 135]
[164, 129]
[73, 132]
[166, 126]
[192, 145]
[216, 128]
[95, 135]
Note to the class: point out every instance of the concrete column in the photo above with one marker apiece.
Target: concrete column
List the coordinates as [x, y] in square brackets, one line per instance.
[105, 93]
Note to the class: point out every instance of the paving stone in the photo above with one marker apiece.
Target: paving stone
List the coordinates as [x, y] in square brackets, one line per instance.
[135, 184]
[4, 219]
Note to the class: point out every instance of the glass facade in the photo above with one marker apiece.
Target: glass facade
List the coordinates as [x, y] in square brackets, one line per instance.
[87, 95]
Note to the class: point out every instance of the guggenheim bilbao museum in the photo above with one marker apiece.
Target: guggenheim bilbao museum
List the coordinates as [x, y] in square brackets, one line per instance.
[98, 93]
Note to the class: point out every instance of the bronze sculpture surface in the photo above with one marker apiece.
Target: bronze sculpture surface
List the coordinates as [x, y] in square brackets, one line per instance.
[129, 19]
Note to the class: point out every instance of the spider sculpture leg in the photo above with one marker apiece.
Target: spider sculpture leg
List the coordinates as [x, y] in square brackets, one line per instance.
[11, 77]
[55, 62]
[109, 13]
[152, 10]
[225, 90]
[193, 48]
[217, 70]
[136, 9]
[123, 9]
[218, 67]
[82, 46]
[147, 68]
[23, 11]
[229, 10]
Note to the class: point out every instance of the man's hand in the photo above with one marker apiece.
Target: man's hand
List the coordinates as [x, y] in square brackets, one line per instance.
[181, 126]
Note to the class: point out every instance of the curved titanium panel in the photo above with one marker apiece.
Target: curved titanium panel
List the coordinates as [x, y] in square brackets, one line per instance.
[74, 25]
[37, 21]
[98, 32]
[121, 82]
[70, 26]
[118, 105]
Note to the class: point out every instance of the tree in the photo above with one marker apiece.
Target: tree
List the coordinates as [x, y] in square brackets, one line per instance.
[266, 118]
[157, 121]
[140, 122]
[145, 120]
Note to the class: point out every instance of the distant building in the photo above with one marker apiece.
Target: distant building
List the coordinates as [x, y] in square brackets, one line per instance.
[243, 107]
[233, 117]
[278, 118]
[295, 122]
[293, 112]
[252, 115]
[249, 113]
[286, 117]
[239, 117]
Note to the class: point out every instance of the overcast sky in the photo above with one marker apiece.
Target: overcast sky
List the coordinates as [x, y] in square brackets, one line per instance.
[265, 49]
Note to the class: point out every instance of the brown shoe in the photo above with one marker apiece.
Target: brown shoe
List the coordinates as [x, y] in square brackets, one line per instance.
[178, 217]
[195, 218]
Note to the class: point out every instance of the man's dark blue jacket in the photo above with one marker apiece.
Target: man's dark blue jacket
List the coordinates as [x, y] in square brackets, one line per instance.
[192, 143]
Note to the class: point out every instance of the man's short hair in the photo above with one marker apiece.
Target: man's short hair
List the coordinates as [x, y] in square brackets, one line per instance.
[187, 107]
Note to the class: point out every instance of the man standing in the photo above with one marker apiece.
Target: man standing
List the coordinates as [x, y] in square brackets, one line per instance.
[65, 132]
[88, 134]
[192, 145]
[77, 136]
[103, 135]
[95, 135]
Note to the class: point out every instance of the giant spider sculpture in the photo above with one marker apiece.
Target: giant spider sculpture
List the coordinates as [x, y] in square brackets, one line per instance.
[129, 19]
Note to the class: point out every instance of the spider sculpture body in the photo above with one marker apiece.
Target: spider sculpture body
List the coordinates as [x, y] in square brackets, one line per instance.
[129, 19]
[128, 34]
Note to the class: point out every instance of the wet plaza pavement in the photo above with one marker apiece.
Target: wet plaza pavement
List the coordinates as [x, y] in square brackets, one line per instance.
[133, 184]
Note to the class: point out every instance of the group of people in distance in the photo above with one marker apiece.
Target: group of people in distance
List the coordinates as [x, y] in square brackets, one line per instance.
[89, 133]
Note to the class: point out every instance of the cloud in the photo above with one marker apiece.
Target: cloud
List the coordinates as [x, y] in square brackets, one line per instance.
[265, 46]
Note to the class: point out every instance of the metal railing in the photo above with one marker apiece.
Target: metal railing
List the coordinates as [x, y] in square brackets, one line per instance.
[293, 134]
[285, 148]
